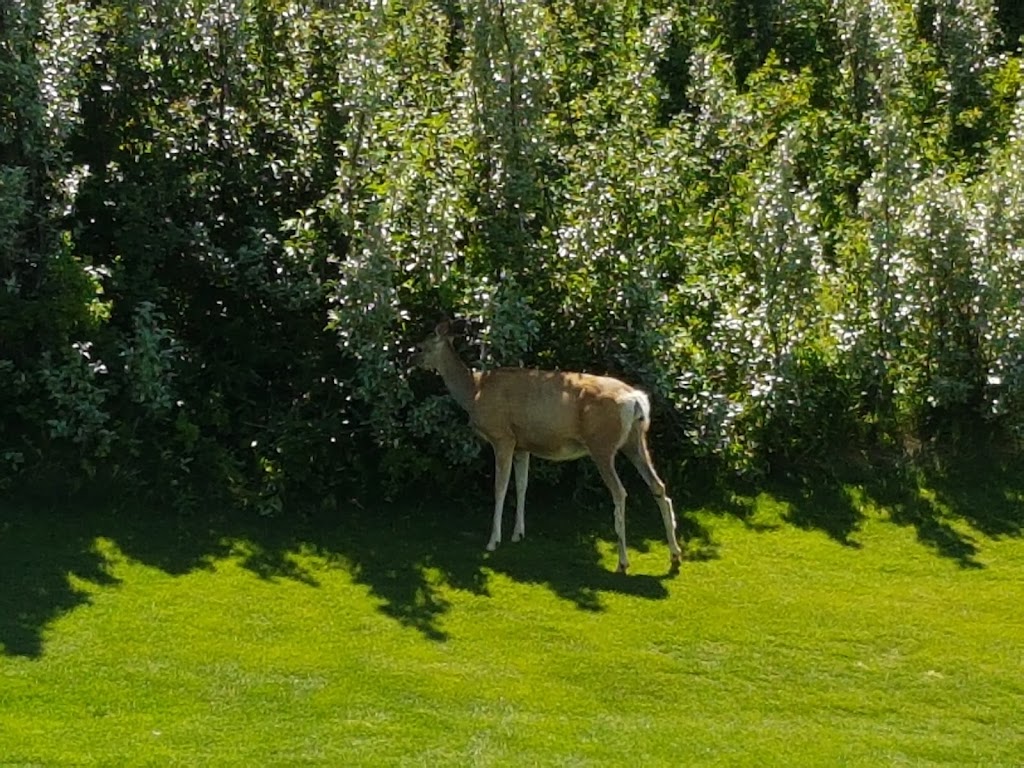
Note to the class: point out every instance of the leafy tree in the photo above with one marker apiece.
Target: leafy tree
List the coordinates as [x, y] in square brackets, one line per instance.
[222, 225]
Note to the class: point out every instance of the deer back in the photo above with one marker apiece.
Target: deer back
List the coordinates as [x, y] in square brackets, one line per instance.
[553, 414]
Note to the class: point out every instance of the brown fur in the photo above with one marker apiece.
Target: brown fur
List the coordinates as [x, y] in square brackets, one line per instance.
[553, 415]
[557, 416]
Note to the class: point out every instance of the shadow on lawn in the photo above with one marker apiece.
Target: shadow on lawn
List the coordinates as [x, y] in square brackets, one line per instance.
[409, 557]
[50, 554]
[41, 553]
[948, 508]
[49, 544]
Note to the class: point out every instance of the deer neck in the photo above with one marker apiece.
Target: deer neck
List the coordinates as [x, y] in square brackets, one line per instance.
[459, 380]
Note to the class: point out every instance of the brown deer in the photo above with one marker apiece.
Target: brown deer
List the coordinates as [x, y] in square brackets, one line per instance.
[557, 416]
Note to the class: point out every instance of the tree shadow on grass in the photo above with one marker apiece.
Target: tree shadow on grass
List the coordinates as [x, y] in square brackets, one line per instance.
[950, 506]
[47, 543]
[821, 504]
[836, 507]
[405, 559]
[409, 557]
[987, 494]
[566, 534]
[42, 552]
[909, 503]
[572, 570]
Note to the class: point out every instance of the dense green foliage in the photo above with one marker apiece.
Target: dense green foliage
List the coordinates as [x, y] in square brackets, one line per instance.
[797, 223]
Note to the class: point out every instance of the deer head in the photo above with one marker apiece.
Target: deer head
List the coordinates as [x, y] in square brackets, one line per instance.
[433, 351]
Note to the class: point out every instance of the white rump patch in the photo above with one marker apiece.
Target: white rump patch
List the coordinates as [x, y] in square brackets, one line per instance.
[630, 402]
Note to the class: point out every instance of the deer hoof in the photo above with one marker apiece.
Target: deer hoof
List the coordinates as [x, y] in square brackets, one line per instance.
[623, 567]
[517, 537]
[491, 546]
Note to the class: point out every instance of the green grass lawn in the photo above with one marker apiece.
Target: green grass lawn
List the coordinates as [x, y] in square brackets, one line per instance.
[810, 625]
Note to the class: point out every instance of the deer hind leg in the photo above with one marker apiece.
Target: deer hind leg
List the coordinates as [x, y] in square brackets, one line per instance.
[606, 466]
[502, 471]
[636, 451]
[521, 463]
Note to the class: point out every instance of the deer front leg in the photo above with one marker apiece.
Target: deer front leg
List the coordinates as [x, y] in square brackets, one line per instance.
[502, 471]
[521, 462]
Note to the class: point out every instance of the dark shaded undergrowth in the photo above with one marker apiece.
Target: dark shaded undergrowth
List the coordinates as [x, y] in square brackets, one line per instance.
[402, 551]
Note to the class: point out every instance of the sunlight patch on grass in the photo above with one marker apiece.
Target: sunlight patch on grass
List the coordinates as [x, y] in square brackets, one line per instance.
[798, 642]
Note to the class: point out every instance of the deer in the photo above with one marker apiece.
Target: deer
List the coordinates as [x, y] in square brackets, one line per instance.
[554, 415]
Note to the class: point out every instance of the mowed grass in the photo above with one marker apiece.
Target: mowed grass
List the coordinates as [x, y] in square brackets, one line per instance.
[806, 628]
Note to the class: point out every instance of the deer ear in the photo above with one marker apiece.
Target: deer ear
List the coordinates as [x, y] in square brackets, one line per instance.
[443, 329]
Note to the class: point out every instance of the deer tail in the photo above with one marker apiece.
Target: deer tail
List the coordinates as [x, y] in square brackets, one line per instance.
[641, 406]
